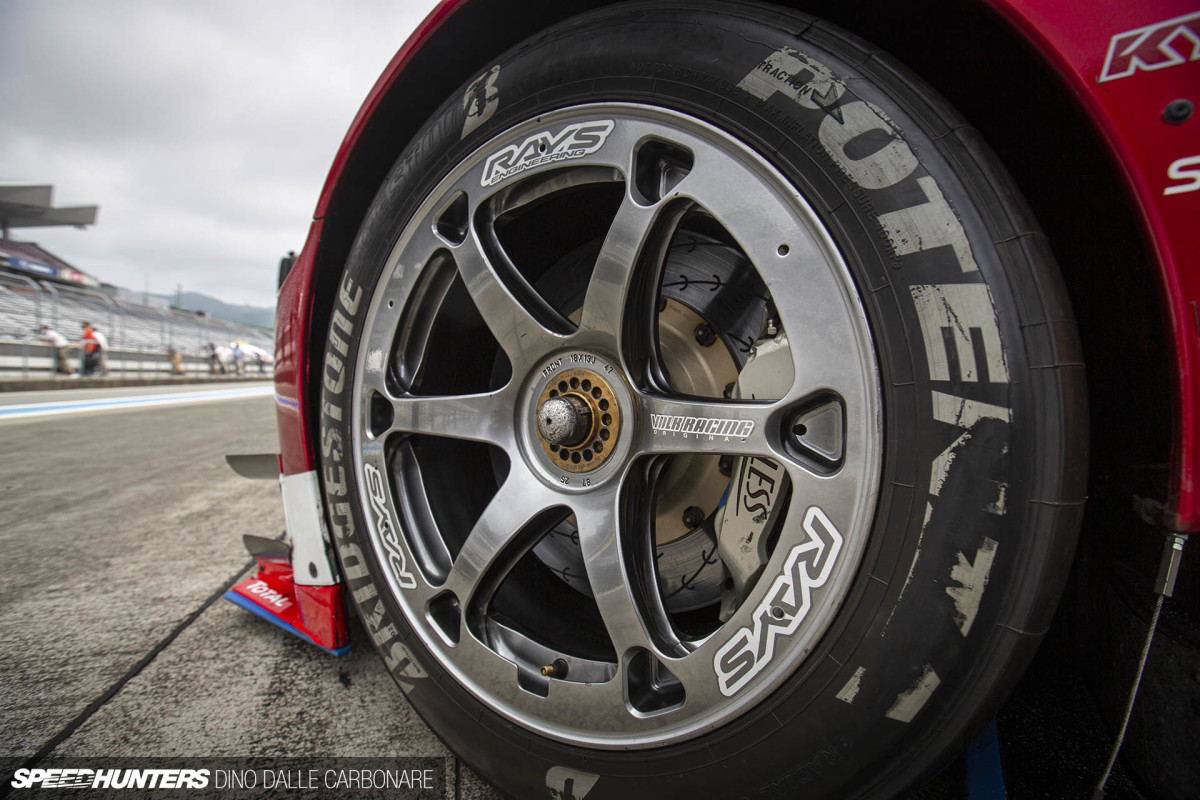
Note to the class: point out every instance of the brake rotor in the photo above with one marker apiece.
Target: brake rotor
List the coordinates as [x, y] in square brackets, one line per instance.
[712, 310]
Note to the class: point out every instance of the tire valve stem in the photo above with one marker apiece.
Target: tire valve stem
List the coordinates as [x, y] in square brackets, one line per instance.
[556, 670]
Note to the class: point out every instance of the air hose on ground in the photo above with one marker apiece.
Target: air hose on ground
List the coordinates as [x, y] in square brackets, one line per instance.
[1164, 587]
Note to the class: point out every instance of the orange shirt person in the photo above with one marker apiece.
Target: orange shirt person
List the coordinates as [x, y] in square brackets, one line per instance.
[89, 348]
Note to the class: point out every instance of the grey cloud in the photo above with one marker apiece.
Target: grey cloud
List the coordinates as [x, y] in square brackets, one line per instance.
[203, 130]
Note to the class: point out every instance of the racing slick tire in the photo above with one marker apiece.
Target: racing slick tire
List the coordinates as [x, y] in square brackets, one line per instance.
[703, 415]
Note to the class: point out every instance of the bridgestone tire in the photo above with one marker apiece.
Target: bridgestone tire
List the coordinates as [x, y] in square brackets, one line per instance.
[977, 493]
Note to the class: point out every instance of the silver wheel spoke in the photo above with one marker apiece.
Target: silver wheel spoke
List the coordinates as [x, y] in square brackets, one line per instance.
[680, 425]
[637, 238]
[795, 264]
[603, 555]
[479, 418]
[520, 335]
[518, 501]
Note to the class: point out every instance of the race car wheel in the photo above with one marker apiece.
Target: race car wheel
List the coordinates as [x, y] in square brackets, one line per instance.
[702, 415]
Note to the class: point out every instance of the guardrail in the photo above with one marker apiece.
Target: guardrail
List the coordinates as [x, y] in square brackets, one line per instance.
[29, 359]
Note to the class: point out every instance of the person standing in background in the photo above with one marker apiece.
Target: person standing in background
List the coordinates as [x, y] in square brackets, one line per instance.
[176, 359]
[239, 358]
[58, 343]
[89, 351]
[102, 340]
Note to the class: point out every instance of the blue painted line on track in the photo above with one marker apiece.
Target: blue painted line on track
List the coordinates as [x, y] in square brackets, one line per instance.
[37, 409]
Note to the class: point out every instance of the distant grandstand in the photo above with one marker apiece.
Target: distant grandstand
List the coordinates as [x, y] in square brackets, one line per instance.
[27, 303]
[39, 288]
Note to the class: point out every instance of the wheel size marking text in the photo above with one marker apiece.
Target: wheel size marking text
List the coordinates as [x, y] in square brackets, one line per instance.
[784, 608]
[387, 531]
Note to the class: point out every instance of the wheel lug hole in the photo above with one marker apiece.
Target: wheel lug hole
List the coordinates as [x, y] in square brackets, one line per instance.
[562, 386]
[604, 434]
[606, 420]
[604, 405]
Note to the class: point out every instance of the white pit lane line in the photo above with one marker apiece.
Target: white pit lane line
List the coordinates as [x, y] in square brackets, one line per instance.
[122, 403]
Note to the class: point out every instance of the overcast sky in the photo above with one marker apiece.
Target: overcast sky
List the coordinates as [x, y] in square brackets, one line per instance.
[202, 129]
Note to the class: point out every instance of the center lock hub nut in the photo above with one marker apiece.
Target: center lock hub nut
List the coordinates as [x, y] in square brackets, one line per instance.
[565, 420]
[578, 420]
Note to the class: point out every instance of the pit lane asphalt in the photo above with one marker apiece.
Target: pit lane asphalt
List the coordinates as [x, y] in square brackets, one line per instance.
[116, 527]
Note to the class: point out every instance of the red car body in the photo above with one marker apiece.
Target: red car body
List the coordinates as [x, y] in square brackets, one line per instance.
[1119, 66]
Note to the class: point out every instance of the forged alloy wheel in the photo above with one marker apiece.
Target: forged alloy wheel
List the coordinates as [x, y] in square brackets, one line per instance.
[702, 415]
[648, 678]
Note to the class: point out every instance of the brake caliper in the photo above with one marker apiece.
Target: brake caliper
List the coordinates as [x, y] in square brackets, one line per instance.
[759, 484]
